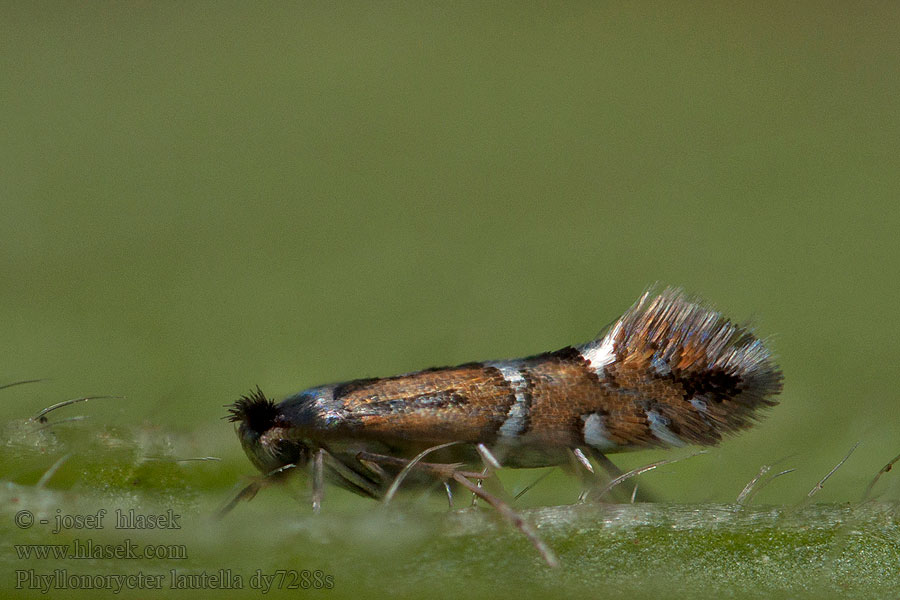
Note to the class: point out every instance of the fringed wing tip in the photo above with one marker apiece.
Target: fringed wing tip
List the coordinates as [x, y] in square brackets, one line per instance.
[725, 373]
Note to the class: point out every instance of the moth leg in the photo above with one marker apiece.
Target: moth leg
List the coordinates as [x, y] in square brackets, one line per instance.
[597, 494]
[490, 463]
[507, 512]
[318, 480]
[442, 472]
[582, 459]
[250, 491]
[350, 477]
[446, 472]
[525, 489]
[449, 493]
[614, 472]
[385, 476]
[583, 468]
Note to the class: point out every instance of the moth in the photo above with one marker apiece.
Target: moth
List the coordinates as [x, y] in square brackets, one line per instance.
[669, 372]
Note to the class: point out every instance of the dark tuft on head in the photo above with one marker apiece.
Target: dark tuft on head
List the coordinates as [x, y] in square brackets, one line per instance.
[254, 410]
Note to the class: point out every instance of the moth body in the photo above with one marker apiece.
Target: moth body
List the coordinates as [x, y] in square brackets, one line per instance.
[671, 371]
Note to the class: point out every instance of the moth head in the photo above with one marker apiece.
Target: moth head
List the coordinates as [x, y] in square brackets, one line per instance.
[264, 434]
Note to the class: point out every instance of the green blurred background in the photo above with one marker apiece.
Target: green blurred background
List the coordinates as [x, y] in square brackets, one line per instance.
[200, 197]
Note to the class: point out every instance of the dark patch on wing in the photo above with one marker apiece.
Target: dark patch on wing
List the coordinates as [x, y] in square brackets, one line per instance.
[715, 384]
[500, 381]
[439, 400]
